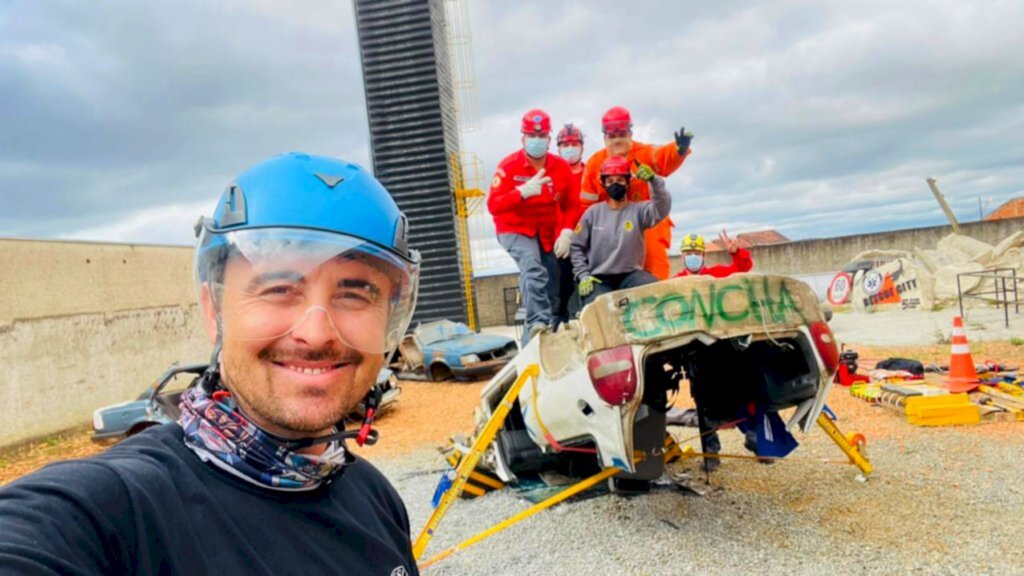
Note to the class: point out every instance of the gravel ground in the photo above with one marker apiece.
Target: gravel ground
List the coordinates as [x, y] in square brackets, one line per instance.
[941, 501]
[897, 327]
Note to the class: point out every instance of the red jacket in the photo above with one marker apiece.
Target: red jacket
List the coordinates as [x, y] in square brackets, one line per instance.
[544, 215]
[575, 212]
[741, 262]
[664, 160]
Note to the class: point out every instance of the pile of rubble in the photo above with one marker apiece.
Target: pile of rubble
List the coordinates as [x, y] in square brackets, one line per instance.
[924, 278]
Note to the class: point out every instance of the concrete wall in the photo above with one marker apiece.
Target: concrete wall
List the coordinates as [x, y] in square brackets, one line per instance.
[490, 298]
[831, 254]
[804, 257]
[84, 325]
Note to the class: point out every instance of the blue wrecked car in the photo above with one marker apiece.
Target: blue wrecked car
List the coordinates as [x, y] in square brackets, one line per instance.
[445, 350]
[159, 404]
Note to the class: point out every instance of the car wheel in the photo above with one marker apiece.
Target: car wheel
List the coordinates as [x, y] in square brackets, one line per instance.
[440, 373]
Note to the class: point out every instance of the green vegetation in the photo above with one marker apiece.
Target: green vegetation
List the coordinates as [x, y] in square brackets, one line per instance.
[977, 326]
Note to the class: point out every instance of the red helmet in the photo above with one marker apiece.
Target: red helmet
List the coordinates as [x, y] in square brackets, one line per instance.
[616, 119]
[536, 121]
[615, 166]
[570, 134]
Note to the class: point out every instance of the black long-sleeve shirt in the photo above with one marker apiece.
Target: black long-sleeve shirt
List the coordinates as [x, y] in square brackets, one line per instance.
[150, 506]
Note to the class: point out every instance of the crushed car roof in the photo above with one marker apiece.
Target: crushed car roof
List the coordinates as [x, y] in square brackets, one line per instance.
[725, 307]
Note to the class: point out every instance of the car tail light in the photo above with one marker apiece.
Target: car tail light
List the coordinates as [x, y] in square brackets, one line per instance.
[613, 374]
[825, 342]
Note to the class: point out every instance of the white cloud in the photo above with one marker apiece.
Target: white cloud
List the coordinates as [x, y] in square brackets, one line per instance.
[816, 119]
[172, 224]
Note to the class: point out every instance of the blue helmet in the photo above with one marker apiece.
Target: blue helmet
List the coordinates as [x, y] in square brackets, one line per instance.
[296, 206]
[296, 190]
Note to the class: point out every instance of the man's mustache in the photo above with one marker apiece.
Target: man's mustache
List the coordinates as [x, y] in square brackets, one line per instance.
[331, 354]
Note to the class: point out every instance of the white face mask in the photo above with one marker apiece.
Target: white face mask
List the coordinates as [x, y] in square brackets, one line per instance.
[536, 147]
[693, 262]
[571, 154]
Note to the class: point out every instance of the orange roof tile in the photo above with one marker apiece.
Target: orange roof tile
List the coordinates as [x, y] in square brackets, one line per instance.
[1010, 209]
[763, 237]
[712, 245]
[748, 239]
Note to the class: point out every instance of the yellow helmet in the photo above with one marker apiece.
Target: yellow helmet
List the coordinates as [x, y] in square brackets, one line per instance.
[692, 242]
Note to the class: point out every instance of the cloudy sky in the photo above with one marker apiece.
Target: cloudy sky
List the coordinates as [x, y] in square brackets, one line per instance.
[122, 120]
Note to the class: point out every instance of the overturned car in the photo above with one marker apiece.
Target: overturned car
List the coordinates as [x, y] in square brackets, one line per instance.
[749, 345]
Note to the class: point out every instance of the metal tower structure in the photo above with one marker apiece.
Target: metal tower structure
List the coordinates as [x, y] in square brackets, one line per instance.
[410, 103]
[467, 171]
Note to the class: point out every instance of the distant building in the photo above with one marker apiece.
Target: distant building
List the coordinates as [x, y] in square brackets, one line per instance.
[1010, 209]
[748, 239]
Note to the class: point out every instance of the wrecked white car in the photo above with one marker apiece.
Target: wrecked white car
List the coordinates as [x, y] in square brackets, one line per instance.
[749, 343]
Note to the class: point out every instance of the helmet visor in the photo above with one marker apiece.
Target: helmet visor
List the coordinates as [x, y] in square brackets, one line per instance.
[268, 283]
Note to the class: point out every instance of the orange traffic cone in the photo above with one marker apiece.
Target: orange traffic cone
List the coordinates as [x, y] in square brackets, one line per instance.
[962, 375]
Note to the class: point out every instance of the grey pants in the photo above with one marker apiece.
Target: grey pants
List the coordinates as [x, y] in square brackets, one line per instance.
[538, 278]
[610, 282]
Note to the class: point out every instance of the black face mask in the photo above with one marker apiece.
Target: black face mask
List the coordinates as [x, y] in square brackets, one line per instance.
[616, 191]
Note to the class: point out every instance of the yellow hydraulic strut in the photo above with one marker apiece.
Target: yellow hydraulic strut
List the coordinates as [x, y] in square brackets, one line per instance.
[469, 462]
[852, 445]
[563, 495]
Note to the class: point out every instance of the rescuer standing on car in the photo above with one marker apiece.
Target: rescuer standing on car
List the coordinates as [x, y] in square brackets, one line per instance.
[570, 147]
[608, 243]
[617, 125]
[693, 250]
[305, 282]
[530, 199]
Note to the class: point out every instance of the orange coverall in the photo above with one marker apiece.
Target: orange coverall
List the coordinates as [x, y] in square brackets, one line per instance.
[664, 160]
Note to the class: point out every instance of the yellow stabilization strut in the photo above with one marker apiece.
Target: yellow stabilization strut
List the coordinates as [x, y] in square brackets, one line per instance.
[469, 462]
[563, 495]
[850, 445]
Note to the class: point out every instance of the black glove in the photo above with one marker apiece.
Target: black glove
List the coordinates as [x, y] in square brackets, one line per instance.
[683, 140]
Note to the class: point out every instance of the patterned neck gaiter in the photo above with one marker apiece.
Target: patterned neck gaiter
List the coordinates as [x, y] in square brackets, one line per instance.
[216, 429]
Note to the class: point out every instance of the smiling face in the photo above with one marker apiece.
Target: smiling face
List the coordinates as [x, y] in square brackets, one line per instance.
[292, 335]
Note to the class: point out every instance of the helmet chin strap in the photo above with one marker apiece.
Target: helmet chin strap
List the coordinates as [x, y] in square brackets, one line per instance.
[365, 435]
[210, 382]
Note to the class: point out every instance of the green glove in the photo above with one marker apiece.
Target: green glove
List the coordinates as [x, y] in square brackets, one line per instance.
[683, 140]
[587, 285]
[645, 173]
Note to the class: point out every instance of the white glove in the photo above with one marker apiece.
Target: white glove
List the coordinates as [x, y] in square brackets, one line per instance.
[563, 242]
[532, 187]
